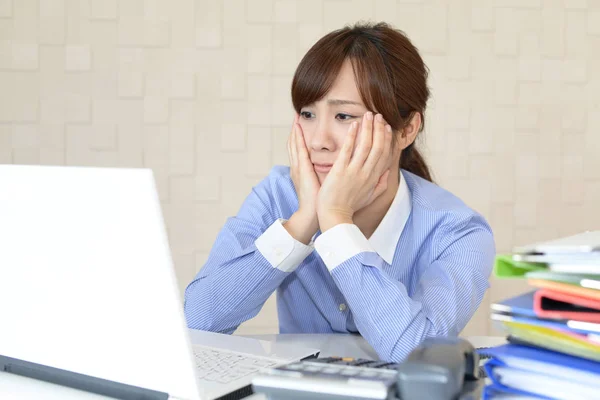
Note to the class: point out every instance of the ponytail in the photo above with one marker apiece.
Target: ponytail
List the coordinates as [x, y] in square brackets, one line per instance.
[412, 161]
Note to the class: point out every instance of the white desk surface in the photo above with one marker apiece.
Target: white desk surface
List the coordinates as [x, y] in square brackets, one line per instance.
[13, 387]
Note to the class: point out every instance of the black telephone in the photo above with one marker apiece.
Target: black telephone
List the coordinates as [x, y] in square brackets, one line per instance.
[440, 369]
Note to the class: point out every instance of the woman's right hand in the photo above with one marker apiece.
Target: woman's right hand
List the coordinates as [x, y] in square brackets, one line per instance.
[303, 224]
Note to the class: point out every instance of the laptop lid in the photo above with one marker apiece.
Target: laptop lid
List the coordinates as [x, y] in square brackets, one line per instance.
[83, 271]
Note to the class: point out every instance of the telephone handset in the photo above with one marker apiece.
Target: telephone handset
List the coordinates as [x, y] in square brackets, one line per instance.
[440, 368]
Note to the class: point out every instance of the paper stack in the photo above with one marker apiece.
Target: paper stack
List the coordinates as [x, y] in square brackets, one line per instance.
[554, 330]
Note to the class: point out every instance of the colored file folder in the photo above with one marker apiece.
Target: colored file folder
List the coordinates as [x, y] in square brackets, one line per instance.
[506, 267]
[558, 305]
[520, 309]
[524, 370]
[564, 288]
[551, 363]
[575, 344]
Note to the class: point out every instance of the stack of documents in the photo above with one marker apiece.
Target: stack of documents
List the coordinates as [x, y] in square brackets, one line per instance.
[554, 330]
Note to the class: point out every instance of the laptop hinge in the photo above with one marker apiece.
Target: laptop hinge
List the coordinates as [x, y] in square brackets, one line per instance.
[78, 381]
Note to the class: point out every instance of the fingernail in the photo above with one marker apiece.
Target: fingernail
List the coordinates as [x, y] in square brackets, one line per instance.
[378, 118]
[354, 125]
[369, 116]
[388, 128]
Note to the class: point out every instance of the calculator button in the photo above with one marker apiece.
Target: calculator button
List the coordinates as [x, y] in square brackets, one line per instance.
[350, 372]
[368, 374]
[296, 366]
[312, 368]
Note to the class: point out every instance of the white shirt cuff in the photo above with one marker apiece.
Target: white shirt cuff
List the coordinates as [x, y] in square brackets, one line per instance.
[341, 243]
[280, 249]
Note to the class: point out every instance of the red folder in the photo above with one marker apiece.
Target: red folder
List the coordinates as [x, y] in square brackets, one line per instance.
[558, 305]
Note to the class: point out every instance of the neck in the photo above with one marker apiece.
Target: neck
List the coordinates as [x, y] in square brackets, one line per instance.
[368, 219]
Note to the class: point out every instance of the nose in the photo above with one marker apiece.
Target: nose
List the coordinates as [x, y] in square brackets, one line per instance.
[322, 138]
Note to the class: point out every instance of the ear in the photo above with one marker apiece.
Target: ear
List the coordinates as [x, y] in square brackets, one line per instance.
[410, 131]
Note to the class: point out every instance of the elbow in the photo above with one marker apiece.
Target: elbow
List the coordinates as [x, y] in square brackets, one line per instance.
[196, 309]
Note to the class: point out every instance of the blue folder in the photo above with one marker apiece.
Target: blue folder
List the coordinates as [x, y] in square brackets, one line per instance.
[517, 351]
[520, 309]
[519, 305]
[498, 390]
[518, 357]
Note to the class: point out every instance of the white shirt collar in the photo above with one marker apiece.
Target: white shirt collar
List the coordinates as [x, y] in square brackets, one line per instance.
[385, 238]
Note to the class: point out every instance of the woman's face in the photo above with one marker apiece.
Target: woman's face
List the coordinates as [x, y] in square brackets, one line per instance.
[325, 123]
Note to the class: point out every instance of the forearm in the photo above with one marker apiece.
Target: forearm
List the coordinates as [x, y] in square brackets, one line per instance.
[231, 293]
[384, 314]
[393, 322]
[302, 226]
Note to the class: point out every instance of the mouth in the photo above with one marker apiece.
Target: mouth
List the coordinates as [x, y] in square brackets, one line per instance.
[323, 168]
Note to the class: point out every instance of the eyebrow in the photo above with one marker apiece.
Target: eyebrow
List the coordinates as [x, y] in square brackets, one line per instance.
[340, 102]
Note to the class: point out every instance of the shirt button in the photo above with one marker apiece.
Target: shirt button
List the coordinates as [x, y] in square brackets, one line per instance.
[277, 252]
[342, 307]
[328, 254]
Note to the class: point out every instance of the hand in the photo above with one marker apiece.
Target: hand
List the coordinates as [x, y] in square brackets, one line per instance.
[304, 223]
[356, 180]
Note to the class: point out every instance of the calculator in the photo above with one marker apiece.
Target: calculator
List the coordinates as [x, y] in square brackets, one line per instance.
[331, 377]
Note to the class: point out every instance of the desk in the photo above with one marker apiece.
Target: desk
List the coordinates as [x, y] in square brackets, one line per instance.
[14, 387]
[353, 345]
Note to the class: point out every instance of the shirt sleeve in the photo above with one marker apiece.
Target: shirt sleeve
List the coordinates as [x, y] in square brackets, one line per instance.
[447, 293]
[237, 279]
[341, 243]
[280, 248]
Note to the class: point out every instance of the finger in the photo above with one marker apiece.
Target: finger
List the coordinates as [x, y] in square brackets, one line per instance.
[377, 147]
[293, 151]
[346, 151]
[303, 156]
[365, 141]
[388, 150]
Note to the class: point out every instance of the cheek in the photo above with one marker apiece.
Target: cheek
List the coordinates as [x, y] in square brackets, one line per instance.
[306, 132]
[341, 134]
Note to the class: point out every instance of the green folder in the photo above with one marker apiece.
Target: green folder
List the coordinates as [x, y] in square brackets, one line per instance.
[506, 267]
[562, 342]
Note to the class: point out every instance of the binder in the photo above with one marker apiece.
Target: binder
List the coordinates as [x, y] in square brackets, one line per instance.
[564, 288]
[536, 383]
[585, 242]
[520, 309]
[506, 267]
[575, 344]
[552, 304]
[585, 281]
[518, 305]
[551, 363]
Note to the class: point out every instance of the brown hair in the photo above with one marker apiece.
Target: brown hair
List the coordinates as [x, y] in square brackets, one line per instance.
[390, 74]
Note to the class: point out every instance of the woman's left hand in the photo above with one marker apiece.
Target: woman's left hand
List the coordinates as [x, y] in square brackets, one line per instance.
[356, 180]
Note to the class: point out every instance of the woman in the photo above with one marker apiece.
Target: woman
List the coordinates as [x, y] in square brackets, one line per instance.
[354, 236]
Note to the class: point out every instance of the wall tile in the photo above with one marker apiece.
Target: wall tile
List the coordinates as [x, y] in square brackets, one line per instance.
[5, 8]
[52, 8]
[196, 86]
[24, 56]
[77, 58]
[233, 137]
[104, 9]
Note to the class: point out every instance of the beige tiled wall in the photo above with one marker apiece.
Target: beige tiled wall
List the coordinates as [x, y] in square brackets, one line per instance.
[199, 92]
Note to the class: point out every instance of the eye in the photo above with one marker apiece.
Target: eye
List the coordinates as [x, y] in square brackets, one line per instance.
[344, 117]
[306, 114]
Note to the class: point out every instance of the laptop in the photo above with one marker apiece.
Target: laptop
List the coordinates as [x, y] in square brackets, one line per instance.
[88, 295]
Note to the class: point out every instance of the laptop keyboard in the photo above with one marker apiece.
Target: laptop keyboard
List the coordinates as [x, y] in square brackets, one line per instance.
[223, 366]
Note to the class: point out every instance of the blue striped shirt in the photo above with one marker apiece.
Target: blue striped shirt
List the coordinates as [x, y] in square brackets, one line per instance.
[434, 284]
